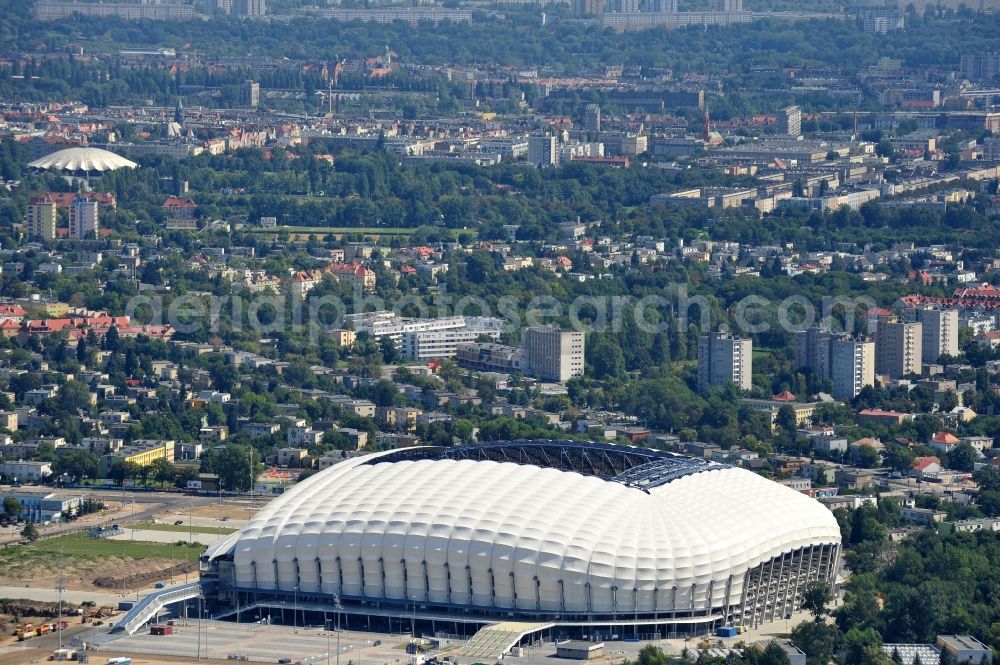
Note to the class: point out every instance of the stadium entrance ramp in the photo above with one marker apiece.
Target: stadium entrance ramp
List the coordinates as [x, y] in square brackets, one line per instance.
[496, 639]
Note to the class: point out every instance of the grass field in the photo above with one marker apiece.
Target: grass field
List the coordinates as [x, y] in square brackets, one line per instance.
[83, 546]
[180, 528]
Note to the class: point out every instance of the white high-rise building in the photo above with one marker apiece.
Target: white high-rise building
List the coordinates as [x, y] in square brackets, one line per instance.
[723, 358]
[83, 221]
[940, 331]
[552, 354]
[852, 366]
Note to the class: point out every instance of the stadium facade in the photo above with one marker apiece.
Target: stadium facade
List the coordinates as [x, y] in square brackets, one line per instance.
[579, 534]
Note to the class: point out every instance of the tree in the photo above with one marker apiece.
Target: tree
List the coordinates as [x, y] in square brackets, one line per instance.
[162, 471]
[898, 458]
[818, 640]
[30, 532]
[233, 466]
[865, 558]
[843, 517]
[652, 655]
[606, 357]
[786, 420]
[988, 479]
[12, 508]
[773, 655]
[963, 457]
[864, 647]
[989, 502]
[390, 354]
[77, 464]
[815, 597]
[121, 471]
[867, 457]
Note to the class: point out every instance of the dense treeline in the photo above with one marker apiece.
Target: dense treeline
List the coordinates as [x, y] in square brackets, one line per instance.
[376, 189]
[519, 39]
[928, 585]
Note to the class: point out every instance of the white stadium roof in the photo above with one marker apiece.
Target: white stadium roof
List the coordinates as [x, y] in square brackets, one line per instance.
[82, 159]
[458, 531]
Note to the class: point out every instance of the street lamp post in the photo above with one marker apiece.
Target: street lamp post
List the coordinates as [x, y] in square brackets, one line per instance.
[201, 611]
[338, 607]
[295, 609]
[59, 625]
[236, 625]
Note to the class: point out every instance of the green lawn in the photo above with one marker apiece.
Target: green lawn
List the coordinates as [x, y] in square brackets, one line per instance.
[83, 546]
[180, 528]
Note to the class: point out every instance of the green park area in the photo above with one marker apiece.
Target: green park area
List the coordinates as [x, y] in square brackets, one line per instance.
[82, 546]
[183, 529]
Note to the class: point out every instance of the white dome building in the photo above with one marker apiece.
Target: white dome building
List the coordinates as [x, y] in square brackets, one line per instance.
[570, 532]
[82, 160]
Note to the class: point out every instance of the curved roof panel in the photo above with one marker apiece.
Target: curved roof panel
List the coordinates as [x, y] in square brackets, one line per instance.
[83, 159]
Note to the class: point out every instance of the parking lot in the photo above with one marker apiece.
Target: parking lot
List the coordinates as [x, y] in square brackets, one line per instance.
[267, 644]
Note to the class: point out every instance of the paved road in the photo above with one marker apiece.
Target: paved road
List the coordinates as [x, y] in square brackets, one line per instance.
[140, 506]
[172, 518]
[52, 595]
[266, 644]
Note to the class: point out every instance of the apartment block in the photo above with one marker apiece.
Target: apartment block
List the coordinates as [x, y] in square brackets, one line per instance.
[41, 221]
[424, 345]
[130, 11]
[248, 8]
[83, 220]
[790, 121]
[852, 366]
[848, 363]
[898, 348]
[552, 354]
[542, 151]
[940, 331]
[980, 66]
[723, 358]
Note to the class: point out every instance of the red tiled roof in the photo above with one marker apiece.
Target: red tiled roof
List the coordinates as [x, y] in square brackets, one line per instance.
[348, 268]
[879, 412]
[176, 202]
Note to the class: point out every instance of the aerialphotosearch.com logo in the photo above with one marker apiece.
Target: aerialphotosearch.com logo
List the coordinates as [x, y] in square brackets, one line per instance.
[267, 313]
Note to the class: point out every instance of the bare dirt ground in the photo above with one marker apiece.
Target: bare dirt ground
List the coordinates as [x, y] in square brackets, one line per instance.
[234, 511]
[81, 574]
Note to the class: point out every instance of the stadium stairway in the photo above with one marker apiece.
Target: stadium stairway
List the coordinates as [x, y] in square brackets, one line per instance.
[149, 607]
[496, 639]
